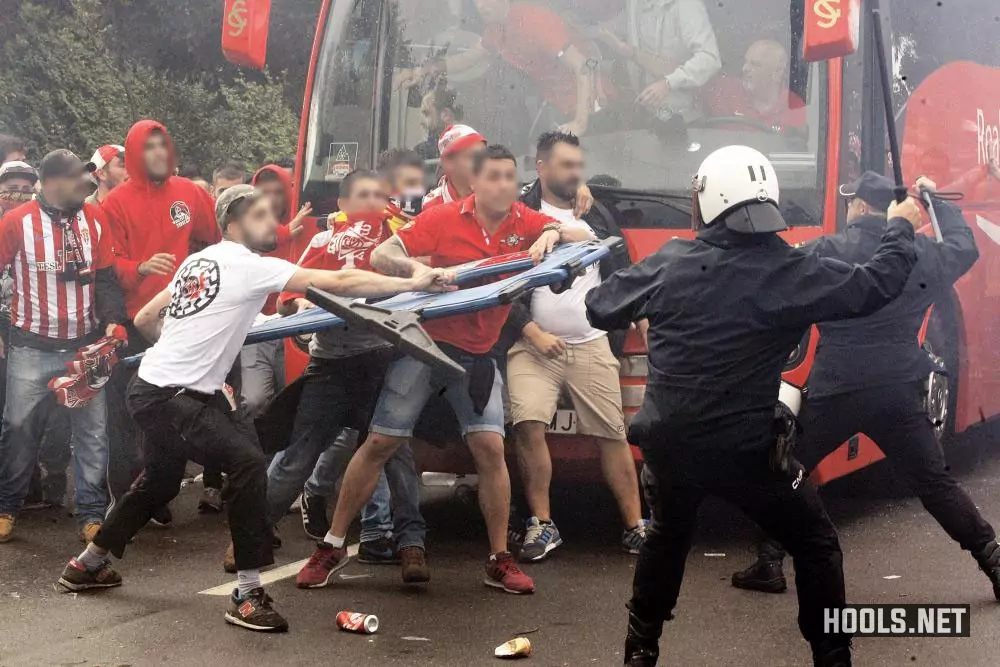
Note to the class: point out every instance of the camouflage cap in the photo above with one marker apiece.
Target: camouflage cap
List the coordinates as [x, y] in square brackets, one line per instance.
[229, 197]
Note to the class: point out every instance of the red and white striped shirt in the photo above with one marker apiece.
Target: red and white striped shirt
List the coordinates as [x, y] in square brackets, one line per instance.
[46, 303]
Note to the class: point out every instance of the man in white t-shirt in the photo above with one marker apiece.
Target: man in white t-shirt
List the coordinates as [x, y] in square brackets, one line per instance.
[179, 400]
[559, 349]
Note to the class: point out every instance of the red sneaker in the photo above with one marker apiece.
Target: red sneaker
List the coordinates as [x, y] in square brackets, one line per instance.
[503, 572]
[323, 564]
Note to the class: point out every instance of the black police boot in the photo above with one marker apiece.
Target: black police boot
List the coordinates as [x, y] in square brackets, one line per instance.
[831, 653]
[989, 562]
[765, 575]
[642, 644]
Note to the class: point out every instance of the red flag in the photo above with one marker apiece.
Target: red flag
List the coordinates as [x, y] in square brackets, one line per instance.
[244, 32]
[831, 28]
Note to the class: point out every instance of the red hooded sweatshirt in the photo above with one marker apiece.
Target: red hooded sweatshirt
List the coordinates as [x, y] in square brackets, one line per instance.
[285, 238]
[148, 218]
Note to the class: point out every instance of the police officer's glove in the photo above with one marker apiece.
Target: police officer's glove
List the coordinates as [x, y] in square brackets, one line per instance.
[786, 431]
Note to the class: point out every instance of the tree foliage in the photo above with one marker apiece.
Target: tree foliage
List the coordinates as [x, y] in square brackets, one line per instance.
[78, 73]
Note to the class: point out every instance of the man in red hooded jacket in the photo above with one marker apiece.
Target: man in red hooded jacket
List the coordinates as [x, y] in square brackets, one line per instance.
[263, 364]
[154, 218]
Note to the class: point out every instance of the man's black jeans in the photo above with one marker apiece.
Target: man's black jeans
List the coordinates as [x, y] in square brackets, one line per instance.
[786, 505]
[180, 425]
[895, 418]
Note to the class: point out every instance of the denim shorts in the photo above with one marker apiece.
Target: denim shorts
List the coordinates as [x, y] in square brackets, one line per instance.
[410, 383]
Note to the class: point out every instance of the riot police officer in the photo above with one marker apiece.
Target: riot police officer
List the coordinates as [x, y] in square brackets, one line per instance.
[725, 311]
[869, 377]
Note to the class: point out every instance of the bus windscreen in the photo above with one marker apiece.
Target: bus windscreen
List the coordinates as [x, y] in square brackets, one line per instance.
[651, 87]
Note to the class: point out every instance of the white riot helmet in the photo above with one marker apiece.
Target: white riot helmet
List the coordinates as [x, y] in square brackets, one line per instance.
[737, 186]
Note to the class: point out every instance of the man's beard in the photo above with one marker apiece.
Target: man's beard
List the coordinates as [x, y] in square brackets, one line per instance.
[266, 245]
[564, 190]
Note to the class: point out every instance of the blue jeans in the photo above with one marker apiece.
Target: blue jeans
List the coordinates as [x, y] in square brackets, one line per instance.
[376, 519]
[324, 409]
[408, 386]
[28, 400]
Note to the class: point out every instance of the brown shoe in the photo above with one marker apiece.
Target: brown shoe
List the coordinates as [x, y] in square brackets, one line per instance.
[414, 563]
[6, 527]
[89, 532]
[229, 562]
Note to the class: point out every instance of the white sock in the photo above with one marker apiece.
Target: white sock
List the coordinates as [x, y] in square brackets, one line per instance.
[92, 558]
[247, 580]
[334, 541]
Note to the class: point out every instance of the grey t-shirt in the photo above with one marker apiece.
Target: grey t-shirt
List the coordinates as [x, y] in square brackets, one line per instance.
[339, 343]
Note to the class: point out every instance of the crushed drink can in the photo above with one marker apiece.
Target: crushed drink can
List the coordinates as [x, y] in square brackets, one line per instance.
[519, 647]
[352, 621]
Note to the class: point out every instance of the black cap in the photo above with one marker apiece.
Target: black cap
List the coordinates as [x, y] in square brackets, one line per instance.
[61, 163]
[872, 188]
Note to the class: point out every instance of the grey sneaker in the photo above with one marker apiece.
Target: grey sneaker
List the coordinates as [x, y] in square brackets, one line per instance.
[539, 539]
[211, 501]
[634, 538]
[254, 612]
[76, 577]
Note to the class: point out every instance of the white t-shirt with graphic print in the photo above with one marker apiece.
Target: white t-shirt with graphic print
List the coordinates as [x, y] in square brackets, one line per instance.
[217, 294]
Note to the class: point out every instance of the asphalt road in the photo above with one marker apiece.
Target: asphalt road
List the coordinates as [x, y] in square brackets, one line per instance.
[576, 618]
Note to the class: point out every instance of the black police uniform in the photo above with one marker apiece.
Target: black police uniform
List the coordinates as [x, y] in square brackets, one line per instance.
[869, 375]
[725, 311]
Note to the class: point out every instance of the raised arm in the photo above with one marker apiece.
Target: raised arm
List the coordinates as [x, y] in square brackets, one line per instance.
[583, 71]
[824, 289]
[621, 299]
[954, 256]
[358, 283]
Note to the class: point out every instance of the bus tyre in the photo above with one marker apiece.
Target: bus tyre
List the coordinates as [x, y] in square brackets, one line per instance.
[941, 343]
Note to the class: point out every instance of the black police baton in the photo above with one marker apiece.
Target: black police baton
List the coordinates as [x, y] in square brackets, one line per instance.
[890, 125]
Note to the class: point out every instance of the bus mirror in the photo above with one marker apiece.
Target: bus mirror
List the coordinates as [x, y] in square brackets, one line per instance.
[244, 32]
[831, 28]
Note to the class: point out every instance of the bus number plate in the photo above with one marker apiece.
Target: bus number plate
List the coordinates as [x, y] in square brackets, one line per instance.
[564, 423]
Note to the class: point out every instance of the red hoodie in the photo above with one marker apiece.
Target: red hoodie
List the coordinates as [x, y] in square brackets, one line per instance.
[285, 238]
[148, 218]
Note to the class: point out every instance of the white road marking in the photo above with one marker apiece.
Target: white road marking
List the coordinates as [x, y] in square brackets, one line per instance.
[271, 576]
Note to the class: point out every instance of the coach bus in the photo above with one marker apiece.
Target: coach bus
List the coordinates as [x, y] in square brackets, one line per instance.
[384, 73]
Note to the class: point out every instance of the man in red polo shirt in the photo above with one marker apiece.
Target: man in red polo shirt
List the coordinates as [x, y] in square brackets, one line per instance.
[489, 223]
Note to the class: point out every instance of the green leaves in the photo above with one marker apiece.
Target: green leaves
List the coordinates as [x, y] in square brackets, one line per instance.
[78, 74]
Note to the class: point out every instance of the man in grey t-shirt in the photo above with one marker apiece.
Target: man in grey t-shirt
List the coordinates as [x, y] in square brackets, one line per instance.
[671, 52]
[341, 385]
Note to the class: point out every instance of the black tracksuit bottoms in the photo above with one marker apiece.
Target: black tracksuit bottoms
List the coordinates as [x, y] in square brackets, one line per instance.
[182, 425]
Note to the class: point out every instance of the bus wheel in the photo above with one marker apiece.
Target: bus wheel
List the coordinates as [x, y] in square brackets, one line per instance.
[941, 399]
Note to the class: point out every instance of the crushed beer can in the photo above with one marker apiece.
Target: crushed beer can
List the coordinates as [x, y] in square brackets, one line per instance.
[352, 621]
[519, 647]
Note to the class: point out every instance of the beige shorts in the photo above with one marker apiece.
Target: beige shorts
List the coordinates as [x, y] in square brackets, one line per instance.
[588, 371]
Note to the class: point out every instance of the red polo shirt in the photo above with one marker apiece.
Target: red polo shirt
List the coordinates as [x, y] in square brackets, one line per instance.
[450, 234]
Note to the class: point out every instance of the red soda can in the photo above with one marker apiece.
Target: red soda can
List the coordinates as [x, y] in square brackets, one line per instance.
[352, 621]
